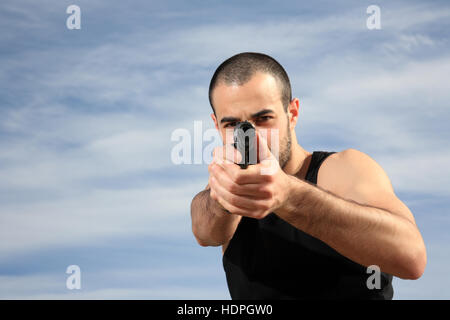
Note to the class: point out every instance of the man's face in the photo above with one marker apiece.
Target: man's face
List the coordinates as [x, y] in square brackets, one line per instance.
[257, 101]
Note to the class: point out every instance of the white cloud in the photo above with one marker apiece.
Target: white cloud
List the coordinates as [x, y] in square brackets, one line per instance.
[107, 109]
[88, 217]
[420, 172]
[404, 17]
[413, 78]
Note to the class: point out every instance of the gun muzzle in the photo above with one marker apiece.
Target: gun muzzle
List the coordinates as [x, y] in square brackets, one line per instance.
[245, 142]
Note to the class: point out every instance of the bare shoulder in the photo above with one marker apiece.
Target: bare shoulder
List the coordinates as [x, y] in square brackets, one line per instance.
[346, 169]
[354, 175]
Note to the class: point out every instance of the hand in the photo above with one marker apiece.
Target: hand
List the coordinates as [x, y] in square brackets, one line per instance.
[254, 192]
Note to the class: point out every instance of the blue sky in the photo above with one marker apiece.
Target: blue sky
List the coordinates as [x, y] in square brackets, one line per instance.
[86, 118]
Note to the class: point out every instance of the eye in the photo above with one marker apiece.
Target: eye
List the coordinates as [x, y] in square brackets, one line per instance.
[230, 124]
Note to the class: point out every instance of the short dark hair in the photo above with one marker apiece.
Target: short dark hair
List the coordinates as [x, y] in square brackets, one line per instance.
[240, 68]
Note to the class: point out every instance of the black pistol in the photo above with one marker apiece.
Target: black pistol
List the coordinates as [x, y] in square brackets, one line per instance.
[245, 142]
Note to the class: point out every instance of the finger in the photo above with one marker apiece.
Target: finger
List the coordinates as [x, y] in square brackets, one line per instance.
[232, 209]
[253, 190]
[232, 154]
[240, 202]
[217, 155]
[251, 213]
[227, 154]
[251, 175]
[229, 207]
[269, 164]
[224, 204]
[263, 149]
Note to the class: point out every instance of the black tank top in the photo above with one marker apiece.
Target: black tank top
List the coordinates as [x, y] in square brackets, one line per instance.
[271, 259]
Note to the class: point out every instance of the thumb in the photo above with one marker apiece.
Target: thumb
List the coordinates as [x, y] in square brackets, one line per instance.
[269, 162]
[264, 152]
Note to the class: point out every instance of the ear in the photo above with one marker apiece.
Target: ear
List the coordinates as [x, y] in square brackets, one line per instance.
[213, 117]
[293, 111]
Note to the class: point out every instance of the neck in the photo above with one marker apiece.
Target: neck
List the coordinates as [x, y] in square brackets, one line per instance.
[299, 160]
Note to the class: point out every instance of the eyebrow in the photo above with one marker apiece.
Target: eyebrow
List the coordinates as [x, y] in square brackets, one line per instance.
[261, 113]
[255, 115]
[229, 119]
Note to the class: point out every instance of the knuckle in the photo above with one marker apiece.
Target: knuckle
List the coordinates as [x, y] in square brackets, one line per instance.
[239, 178]
[265, 192]
[269, 178]
[270, 192]
[234, 188]
[234, 201]
[264, 206]
[234, 177]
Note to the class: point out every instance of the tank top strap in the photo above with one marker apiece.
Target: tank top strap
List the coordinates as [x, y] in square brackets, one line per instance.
[316, 160]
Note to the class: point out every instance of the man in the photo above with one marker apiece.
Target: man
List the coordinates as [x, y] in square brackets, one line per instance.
[298, 232]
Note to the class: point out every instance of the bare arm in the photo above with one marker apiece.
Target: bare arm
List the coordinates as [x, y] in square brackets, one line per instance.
[371, 226]
[211, 225]
[353, 208]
